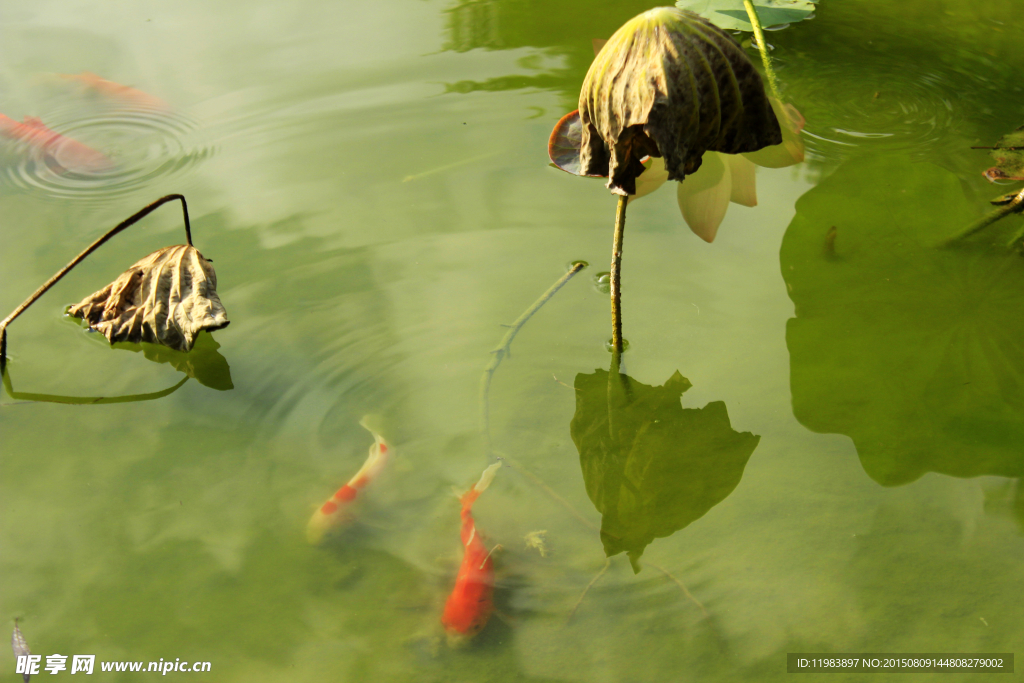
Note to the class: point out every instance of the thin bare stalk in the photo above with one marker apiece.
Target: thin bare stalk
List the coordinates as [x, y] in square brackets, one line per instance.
[126, 223]
[681, 585]
[616, 274]
[762, 47]
[504, 348]
[1015, 205]
[572, 612]
[539, 483]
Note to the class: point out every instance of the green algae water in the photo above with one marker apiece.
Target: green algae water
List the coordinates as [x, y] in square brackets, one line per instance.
[827, 411]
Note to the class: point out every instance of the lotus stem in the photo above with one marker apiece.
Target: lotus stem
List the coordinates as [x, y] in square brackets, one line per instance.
[131, 220]
[681, 585]
[1015, 205]
[616, 274]
[762, 47]
[504, 347]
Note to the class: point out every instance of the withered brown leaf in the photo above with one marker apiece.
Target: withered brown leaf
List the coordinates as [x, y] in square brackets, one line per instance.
[166, 298]
[670, 84]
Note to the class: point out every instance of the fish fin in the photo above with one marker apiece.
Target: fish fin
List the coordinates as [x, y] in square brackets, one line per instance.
[488, 556]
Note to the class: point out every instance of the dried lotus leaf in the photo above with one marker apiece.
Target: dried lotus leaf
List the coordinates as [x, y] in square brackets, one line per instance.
[670, 84]
[166, 298]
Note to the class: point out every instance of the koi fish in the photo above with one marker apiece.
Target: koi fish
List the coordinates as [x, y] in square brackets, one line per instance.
[117, 91]
[337, 511]
[470, 604]
[20, 647]
[69, 154]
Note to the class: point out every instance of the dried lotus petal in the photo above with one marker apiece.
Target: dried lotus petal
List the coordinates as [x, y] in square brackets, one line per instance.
[166, 298]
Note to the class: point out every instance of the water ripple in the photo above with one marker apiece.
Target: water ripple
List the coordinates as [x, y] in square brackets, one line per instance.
[140, 146]
[877, 106]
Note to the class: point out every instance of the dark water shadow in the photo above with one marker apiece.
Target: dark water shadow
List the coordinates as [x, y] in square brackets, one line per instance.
[563, 29]
[204, 364]
[914, 352]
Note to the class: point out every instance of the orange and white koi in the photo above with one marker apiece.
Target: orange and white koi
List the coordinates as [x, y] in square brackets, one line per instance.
[471, 603]
[125, 93]
[70, 154]
[337, 511]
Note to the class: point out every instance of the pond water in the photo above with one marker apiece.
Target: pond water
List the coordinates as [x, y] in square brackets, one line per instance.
[371, 183]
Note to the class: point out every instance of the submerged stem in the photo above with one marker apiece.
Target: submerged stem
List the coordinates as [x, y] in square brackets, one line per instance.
[503, 348]
[1015, 205]
[572, 612]
[616, 274]
[131, 220]
[762, 47]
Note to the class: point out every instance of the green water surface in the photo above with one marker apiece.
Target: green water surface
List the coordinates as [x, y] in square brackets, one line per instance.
[834, 468]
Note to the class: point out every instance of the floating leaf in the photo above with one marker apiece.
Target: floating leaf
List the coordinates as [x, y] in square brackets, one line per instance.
[704, 196]
[670, 84]
[166, 298]
[650, 466]
[732, 16]
[915, 353]
[1009, 157]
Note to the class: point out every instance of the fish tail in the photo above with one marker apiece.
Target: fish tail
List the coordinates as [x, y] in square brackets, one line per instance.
[7, 124]
[470, 496]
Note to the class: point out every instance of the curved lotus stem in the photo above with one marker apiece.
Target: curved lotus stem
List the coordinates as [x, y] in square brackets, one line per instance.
[126, 223]
[762, 47]
[504, 348]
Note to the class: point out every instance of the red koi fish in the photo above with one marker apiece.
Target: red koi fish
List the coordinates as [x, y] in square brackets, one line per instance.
[117, 91]
[69, 154]
[337, 511]
[470, 604]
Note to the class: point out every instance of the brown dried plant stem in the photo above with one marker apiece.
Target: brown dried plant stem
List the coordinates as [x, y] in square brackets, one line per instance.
[616, 274]
[126, 223]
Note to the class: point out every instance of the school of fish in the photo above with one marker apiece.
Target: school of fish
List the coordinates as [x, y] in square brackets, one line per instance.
[471, 602]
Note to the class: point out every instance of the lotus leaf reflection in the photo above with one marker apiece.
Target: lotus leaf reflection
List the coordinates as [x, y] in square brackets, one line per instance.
[916, 353]
[650, 466]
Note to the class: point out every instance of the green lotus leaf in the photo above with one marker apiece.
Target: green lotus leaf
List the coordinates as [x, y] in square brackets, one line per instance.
[732, 16]
[650, 466]
[914, 352]
[670, 84]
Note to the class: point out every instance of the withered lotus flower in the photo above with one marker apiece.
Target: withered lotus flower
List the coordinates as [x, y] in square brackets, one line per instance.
[670, 84]
[166, 298]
